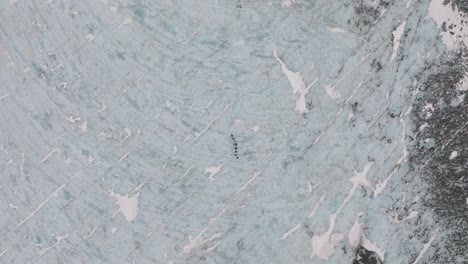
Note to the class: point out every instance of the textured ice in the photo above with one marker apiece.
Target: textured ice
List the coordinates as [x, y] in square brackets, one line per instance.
[348, 119]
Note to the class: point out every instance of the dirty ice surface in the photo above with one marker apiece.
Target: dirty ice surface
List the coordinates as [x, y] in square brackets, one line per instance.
[116, 119]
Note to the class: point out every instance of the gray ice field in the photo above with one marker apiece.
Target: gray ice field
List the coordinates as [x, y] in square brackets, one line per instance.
[233, 131]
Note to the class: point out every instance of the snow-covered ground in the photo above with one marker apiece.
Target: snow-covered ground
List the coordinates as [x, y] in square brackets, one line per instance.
[216, 131]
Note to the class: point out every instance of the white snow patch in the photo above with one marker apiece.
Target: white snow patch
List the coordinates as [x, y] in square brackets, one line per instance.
[213, 247]
[330, 90]
[335, 238]
[90, 159]
[323, 246]
[423, 126]
[255, 129]
[90, 37]
[212, 171]
[463, 84]
[47, 2]
[393, 217]
[360, 179]
[372, 246]
[58, 240]
[198, 241]
[126, 21]
[72, 119]
[336, 30]
[290, 231]
[357, 237]
[317, 205]
[397, 38]
[310, 187]
[84, 126]
[128, 205]
[46, 157]
[67, 160]
[288, 3]
[355, 233]
[207, 106]
[453, 155]
[426, 246]
[113, 230]
[404, 156]
[408, 111]
[127, 131]
[408, 4]
[441, 13]
[298, 85]
[103, 107]
[186, 172]
[429, 107]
